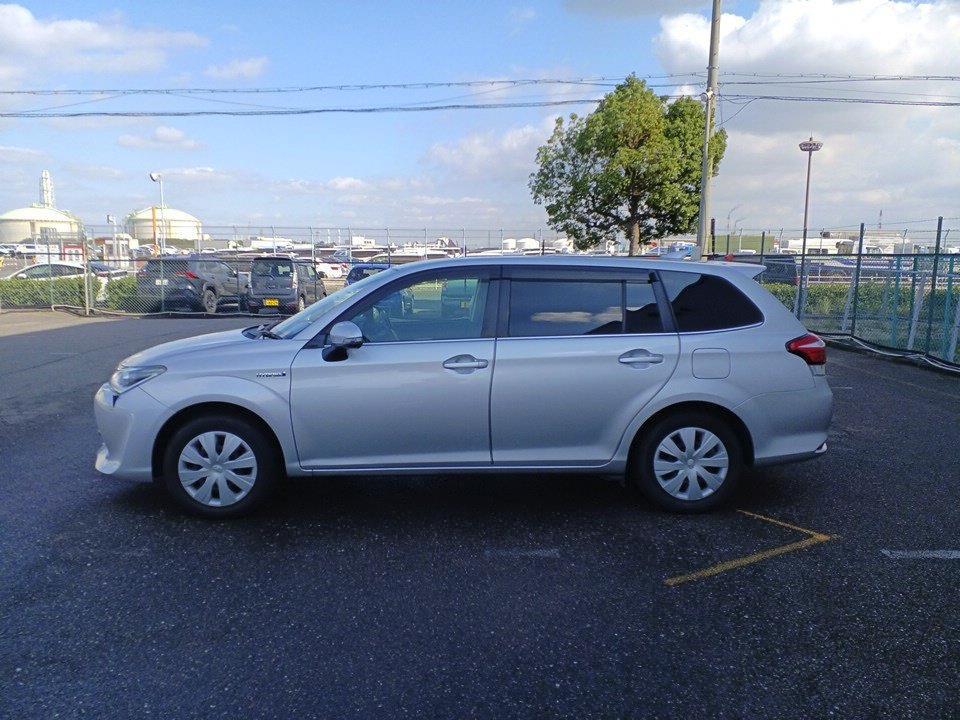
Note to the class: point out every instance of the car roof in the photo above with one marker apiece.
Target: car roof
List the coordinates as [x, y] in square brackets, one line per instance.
[70, 263]
[645, 262]
[374, 266]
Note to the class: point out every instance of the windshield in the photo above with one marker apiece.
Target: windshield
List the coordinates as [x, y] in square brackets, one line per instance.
[293, 325]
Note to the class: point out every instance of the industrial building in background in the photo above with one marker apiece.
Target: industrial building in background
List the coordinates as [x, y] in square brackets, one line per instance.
[41, 222]
[153, 224]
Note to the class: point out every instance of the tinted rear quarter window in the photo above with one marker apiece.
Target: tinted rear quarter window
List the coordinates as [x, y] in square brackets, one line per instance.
[708, 302]
[566, 307]
[642, 312]
[168, 267]
[272, 268]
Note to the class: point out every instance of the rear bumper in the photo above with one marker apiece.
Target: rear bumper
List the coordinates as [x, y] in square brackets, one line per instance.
[128, 424]
[286, 303]
[789, 426]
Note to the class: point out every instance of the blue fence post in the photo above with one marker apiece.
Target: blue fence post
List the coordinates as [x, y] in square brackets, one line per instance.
[932, 296]
[856, 284]
[947, 306]
[895, 304]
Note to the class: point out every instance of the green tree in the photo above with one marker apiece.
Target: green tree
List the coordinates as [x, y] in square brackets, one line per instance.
[632, 167]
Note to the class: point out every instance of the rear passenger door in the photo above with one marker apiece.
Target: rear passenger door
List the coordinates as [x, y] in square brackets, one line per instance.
[580, 351]
[224, 278]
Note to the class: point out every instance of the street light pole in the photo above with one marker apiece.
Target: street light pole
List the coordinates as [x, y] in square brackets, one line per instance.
[158, 178]
[709, 96]
[809, 147]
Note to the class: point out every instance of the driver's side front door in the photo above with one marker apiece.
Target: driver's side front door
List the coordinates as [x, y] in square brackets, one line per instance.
[417, 392]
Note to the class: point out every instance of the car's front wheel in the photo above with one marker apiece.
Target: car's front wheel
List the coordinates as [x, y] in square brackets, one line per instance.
[688, 462]
[209, 301]
[219, 466]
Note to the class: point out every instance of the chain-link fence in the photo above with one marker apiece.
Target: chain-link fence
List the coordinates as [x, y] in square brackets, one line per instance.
[908, 302]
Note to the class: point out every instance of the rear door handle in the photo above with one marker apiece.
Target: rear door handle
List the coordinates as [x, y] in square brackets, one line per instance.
[465, 362]
[640, 357]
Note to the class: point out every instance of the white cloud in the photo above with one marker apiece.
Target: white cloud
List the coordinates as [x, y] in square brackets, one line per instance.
[346, 183]
[37, 47]
[163, 136]
[15, 155]
[895, 158]
[493, 155]
[247, 69]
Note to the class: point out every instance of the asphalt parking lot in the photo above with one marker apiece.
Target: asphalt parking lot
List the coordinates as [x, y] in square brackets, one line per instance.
[474, 596]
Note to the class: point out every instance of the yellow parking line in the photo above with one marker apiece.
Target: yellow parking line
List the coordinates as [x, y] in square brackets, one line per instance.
[813, 538]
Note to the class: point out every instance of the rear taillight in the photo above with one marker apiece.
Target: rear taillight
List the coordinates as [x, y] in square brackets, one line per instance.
[188, 275]
[811, 348]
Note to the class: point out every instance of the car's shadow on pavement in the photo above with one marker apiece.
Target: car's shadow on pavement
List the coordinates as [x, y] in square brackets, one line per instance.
[411, 500]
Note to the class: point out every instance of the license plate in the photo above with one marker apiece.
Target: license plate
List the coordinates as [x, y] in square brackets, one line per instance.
[161, 281]
[271, 302]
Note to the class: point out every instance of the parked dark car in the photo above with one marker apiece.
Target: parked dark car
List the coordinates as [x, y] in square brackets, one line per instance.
[191, 282]
[780, 268]
[400, 305]
[280, 284]
[361, 270]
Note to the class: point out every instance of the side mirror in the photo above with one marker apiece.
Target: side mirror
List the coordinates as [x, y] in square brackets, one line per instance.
[345, 335]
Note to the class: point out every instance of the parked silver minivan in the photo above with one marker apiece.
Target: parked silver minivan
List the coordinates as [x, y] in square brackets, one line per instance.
[676, 375]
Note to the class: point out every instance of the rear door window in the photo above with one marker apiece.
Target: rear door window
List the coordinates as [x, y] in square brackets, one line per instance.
[642, 315]
[540, 308]
[707, 302]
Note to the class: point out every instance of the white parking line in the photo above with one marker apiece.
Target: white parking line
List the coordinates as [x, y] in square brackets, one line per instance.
[922, 554]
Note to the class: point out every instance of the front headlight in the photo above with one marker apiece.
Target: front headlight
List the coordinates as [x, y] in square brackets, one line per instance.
[127, 377]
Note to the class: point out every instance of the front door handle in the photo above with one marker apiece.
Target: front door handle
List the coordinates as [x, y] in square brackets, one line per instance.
[640, 357]
[465, 362]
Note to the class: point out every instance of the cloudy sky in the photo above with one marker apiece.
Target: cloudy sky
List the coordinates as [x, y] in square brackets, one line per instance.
[469, 169]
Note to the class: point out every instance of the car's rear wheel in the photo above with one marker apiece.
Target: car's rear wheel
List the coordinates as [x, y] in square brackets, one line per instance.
[209, 301]
[219, 466]
[688, 462]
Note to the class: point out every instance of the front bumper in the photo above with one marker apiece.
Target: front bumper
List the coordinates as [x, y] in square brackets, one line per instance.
[128, 425]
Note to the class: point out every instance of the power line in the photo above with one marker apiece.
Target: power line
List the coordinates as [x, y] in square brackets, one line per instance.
[301, 111]
[846, 100]
[603, 81]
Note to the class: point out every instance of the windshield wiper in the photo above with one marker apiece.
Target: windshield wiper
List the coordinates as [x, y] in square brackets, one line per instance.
[264, 330]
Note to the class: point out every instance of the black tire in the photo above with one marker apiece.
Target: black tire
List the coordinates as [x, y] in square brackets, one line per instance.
[268, 465]
[641, 471]
[209, 301]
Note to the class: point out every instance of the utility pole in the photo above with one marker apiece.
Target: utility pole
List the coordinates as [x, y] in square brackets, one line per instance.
[710, 97]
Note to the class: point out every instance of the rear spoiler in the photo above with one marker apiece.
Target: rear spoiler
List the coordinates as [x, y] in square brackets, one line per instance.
[751, 269]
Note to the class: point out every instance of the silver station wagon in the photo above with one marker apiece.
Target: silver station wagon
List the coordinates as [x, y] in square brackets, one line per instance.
[674, 375]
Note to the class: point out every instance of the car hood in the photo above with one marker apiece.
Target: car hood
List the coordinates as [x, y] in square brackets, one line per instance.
[162, 354]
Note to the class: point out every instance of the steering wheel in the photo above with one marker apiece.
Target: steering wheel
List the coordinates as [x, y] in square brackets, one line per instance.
[379, 328]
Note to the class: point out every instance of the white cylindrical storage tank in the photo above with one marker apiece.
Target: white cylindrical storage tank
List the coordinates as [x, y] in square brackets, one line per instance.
[171, 224]
[38, 224]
